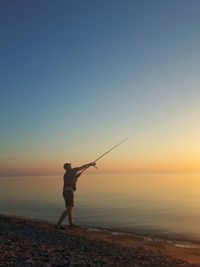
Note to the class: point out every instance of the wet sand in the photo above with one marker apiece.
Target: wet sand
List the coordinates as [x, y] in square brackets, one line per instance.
[26, 242]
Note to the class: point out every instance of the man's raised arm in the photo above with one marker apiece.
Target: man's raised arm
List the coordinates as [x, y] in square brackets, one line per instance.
[85, 166]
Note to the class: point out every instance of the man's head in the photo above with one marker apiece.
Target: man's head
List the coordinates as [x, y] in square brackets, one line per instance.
[67, 166]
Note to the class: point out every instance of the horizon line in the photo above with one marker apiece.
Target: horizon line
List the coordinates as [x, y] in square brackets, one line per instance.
[128, 172]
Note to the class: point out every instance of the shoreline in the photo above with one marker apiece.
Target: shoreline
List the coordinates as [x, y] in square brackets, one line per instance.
[176, 239]
[21, 238]
[175, 242]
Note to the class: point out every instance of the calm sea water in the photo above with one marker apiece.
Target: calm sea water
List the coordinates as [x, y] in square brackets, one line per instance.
[158, 204]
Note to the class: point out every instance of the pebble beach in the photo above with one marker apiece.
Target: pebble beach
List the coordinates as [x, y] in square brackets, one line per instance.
[26, 242]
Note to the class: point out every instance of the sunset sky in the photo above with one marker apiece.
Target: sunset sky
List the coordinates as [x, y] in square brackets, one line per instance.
[77, 77]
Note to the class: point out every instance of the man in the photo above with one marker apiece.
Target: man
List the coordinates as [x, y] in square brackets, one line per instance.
[70, 179]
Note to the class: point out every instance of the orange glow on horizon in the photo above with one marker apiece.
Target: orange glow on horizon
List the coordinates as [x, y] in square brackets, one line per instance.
[105, 166]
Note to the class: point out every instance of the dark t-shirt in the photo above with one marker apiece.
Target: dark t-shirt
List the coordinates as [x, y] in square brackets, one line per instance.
[70, 178]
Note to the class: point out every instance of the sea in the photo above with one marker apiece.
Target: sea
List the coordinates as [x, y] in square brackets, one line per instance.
[152, 204]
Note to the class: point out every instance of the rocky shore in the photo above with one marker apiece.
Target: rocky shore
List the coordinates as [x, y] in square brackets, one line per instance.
[25, 242]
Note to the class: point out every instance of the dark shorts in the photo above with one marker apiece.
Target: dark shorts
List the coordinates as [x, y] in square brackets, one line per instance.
[69, 198]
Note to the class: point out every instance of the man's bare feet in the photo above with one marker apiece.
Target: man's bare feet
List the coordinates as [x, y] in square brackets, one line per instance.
[59, 227]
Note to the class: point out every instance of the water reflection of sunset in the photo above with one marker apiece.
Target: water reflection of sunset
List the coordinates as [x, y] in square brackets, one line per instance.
[131, 201]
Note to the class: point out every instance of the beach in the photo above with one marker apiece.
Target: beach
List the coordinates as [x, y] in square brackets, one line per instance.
[26, 242]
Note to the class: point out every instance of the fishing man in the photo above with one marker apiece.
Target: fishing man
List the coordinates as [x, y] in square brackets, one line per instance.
[70, 179]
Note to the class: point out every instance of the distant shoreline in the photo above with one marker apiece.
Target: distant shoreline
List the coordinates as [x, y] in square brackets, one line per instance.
[37, 243]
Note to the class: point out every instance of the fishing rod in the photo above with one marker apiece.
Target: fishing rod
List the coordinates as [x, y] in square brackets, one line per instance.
[106, 153]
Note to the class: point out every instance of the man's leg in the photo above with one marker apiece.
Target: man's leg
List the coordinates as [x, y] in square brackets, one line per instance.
[69, 203]
[62, 217]
[66, 213]
[69, 213]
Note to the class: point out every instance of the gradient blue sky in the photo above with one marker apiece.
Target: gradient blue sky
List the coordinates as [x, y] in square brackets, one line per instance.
[76, 77]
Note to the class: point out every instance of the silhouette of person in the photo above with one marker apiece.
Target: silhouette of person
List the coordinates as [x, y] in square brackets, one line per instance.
[70, 179]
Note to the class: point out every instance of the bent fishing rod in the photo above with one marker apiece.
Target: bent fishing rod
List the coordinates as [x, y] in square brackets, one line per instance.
[105, 153]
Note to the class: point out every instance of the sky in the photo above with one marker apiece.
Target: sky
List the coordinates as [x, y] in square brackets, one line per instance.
[77, 77]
